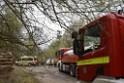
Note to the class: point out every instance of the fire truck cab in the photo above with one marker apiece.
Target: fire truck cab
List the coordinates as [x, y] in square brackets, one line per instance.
[106, 57]
[67, 62]
[59, 55]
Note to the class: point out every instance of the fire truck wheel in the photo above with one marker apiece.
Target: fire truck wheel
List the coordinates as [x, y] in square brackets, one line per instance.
[60, 67]
[72, 71]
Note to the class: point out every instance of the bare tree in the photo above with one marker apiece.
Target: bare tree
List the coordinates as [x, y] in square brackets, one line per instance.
[62, 12]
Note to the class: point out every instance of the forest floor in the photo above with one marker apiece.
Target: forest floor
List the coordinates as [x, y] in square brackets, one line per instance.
[49, 74]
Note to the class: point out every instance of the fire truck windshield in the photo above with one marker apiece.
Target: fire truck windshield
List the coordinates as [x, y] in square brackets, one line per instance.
[92, 37]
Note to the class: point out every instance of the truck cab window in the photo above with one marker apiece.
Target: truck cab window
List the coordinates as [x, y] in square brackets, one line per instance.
[92, 38]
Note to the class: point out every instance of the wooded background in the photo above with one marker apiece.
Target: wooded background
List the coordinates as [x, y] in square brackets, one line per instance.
[24, 34]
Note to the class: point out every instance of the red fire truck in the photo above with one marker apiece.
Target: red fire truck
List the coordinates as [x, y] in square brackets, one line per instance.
[104, 61]
[67, 60]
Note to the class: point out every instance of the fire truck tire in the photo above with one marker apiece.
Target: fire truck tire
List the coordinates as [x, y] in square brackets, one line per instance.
[60, 67]
[72, 71]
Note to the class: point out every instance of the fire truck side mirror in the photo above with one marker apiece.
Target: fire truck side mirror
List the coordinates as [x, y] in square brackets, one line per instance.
[76, 47]
[74, 34]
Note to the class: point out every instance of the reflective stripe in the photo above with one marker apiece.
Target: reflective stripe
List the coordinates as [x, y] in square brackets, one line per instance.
[92, 61]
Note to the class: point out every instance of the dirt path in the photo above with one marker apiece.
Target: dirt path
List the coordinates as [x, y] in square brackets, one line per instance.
[46, 74]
